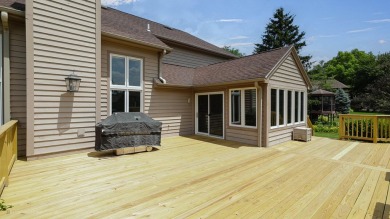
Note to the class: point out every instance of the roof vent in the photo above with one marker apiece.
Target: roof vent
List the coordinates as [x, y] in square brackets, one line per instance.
[148, 27]
[169, 28]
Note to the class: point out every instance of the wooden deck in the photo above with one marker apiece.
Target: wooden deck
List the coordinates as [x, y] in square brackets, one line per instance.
[199, 177]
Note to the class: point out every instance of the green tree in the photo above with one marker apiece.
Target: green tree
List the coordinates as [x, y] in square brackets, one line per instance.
[343, 103]
[356, 68]
[234, 51]
[281, 31]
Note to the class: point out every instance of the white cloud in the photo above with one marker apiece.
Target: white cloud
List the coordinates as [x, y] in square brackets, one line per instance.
[241, 44]
[230, 20]
[116, 2]
[238, 37]
[382, 41]
[360, 30]
[379, 21]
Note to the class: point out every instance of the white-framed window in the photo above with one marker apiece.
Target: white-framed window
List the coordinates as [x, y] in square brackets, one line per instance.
[287, 107]
[126, 84]
[243, 107]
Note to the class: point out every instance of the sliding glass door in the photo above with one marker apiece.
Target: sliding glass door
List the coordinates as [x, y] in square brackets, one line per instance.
[209, 111]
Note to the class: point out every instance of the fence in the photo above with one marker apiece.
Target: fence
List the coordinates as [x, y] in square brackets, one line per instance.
[8, 151]
[365, 127]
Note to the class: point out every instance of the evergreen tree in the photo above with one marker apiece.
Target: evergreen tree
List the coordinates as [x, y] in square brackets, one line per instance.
[280, 32]
[343, 103]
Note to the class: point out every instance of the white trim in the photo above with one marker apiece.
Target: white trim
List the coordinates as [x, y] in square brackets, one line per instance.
[127, 87]
[292, 107]
[242, 107]
[208, 125]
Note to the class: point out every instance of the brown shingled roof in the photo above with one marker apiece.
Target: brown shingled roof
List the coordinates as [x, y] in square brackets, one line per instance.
[246, 68]
[178, 75]
[15, 4]
[321, 92]
[134, 28]
[123, 23]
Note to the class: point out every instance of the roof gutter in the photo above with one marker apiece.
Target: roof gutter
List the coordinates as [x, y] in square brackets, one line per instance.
[158, 83]
[119, 37]
[263, 80]
[12, 11]
[160, 57]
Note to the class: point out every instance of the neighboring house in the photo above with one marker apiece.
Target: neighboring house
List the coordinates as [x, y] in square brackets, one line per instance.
[331, 83]
[127, 63]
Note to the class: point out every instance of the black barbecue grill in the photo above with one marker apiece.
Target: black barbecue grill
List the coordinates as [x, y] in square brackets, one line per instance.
[123, 130]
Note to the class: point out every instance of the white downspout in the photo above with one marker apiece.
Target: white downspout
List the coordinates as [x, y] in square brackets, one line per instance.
[6, 68]
[259, 113]
[160, 57]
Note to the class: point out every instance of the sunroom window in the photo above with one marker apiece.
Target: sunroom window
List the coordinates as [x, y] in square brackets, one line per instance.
[287, 107]
[243, 107]
[126, 84]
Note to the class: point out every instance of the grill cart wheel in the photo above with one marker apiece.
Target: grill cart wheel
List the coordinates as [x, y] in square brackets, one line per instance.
[149, 148]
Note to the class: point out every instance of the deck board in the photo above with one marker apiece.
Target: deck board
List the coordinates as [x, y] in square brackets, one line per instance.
[200, 177]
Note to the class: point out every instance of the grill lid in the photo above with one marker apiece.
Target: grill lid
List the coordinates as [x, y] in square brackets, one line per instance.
[131, 123]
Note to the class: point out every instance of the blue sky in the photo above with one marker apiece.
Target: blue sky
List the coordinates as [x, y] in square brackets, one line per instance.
[330, 25]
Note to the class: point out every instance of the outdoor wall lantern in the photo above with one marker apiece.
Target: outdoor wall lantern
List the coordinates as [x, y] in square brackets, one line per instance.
[72, 83]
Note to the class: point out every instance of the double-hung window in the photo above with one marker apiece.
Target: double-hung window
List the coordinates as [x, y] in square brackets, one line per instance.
[243, 107]
[126, 84]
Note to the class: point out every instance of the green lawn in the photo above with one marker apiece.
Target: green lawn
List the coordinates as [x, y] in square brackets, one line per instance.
[327, 135]
[366, 113]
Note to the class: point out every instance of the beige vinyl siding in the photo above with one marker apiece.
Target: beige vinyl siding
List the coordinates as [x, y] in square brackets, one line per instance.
[287, 77]
[170, 106]
[190, 58]
[18, 80]
[64, 36]
[232, 133]
[244, 135]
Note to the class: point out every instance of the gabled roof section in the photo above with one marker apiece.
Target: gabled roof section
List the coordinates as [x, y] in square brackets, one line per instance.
[120, 24]
[298, 63]
[129, 27]
[137, 28]
[246, 68]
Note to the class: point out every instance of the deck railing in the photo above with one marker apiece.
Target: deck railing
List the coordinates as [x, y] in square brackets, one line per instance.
[365, 127]
[8, 150]
[310, 125]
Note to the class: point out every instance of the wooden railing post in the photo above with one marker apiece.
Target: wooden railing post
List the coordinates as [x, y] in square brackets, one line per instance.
[341, 127]
[310, 124]
[375, 134]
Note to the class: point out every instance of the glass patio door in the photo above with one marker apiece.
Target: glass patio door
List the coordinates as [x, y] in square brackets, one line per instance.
[210, 114]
